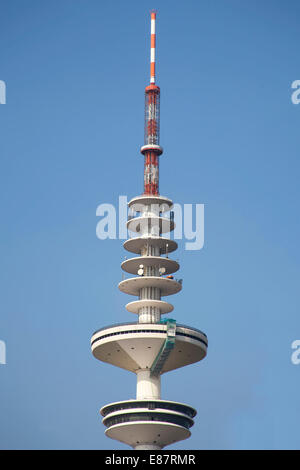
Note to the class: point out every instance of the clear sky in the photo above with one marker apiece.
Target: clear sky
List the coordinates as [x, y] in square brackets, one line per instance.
[71, 128]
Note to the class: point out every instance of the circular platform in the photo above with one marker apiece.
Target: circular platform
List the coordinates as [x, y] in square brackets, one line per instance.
[136, 244]
[139, 202]
[138, 433]
[146, 414]
[132, 265]
[139, 224]
[164, 307]
[163, 422]
[150, 404]
[133, 285]
[135, 346]
[152, 147]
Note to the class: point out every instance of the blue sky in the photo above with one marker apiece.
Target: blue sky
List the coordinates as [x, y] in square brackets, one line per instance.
[71, 129]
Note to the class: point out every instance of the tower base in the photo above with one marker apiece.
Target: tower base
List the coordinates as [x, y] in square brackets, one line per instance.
[148, 424]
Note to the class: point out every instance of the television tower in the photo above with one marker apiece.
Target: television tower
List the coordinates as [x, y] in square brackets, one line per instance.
[150, 346]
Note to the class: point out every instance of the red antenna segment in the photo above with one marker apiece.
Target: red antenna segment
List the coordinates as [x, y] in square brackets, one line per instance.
[151, 148]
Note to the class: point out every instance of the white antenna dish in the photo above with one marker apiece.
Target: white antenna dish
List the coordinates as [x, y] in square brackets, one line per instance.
[140, 272]
[162, 270]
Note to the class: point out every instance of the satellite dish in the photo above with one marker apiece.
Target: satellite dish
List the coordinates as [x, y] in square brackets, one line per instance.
[141, 266]
[140, 272]
[162, 270]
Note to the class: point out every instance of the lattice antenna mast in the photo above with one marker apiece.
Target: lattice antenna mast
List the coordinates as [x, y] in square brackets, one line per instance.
[151, 148]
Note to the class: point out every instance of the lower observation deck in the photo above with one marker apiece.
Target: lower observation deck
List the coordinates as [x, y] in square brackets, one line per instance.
[134, 346]
[158, 434]
[153, 422]
[149, 404]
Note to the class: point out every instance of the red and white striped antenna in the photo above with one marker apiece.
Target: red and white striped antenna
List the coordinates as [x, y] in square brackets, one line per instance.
[153, 43]
[151, 148]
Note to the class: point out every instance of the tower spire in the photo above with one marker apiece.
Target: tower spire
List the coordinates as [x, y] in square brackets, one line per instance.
[153, 45]
[151, 148]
